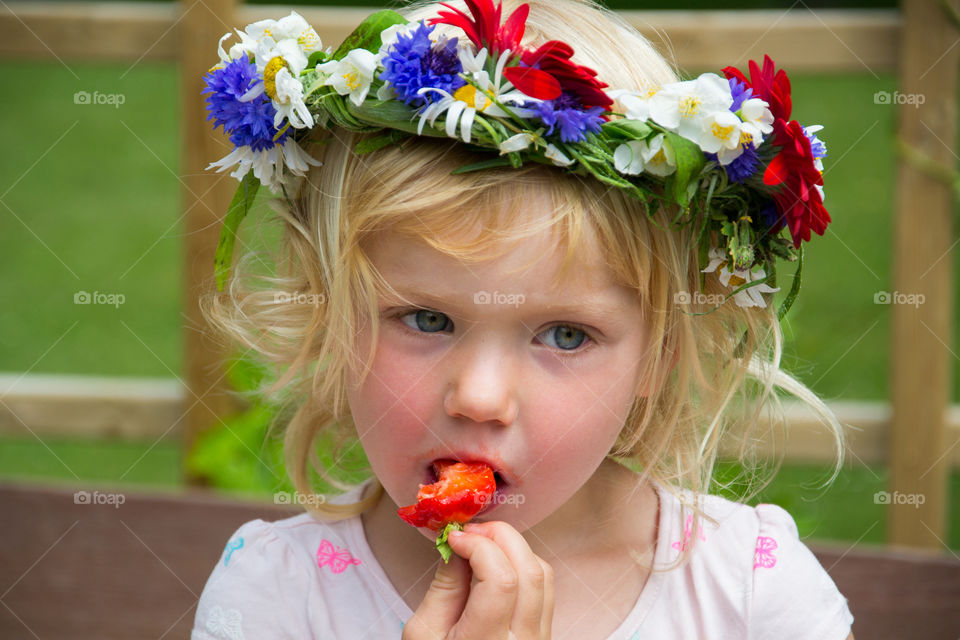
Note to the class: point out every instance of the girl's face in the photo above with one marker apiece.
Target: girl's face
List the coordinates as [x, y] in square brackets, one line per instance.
[494, 364]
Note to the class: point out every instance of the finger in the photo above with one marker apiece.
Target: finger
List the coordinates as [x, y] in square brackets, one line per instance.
[546, 613]
[443, 604]
[528, 613]
[489, 609]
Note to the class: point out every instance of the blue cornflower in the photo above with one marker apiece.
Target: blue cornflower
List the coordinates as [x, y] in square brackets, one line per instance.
[817, 147]
[741, 92]
[574, 120]
[414, 63]
[770, 216]
[248, 123]
[744, 165]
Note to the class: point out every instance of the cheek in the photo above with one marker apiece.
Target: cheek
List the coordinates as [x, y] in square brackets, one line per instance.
[391, 407]
[573, 428]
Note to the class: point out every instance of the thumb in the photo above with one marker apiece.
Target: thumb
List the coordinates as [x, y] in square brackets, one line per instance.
[444, 602]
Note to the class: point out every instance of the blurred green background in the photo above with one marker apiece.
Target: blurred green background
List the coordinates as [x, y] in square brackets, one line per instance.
[91, 202]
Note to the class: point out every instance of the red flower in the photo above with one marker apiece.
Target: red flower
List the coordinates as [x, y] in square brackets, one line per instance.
[549, 72]
[794, 171]
[485, 30]
[768, 84]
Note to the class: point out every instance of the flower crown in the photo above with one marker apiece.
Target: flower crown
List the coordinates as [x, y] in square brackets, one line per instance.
[721, 150]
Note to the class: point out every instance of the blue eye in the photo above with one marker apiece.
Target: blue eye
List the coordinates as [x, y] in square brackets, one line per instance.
[565, 337]
[426, 320]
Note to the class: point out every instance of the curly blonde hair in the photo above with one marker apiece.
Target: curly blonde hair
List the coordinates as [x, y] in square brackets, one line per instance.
[703, 392]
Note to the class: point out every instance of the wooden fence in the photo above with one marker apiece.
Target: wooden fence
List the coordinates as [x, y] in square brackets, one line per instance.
[917, 434]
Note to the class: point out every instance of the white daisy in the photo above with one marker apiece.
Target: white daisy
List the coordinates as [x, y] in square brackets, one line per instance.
[280, 49]
[749, 297]
[462, 106]
[268, 164]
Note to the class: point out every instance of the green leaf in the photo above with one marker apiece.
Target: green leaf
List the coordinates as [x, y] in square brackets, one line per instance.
[794, 289]
[690, 161]
[367, 34]
[387, 114]
[370, 145]
[239, 207]
[315, 58]
[442, 545]
[628, 129]
[502, 161]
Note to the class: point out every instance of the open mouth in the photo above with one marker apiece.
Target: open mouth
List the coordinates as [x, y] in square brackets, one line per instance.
[433, 476]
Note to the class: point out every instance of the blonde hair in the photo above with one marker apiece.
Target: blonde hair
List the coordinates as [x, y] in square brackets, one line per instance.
[700, 390]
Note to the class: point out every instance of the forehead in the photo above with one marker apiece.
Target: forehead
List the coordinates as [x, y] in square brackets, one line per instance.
[524, 241]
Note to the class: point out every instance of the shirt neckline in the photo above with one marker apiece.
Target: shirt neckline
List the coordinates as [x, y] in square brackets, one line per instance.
[641, 608]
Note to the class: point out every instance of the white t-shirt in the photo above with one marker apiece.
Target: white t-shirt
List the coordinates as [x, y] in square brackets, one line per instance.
[748, 578]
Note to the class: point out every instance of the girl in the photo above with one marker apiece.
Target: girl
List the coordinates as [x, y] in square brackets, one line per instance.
[535, 319]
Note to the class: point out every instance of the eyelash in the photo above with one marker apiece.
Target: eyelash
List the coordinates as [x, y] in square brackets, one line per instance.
[566, 353]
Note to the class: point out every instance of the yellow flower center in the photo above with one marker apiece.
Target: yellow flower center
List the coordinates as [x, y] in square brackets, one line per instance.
[721, 132]
[468, 93]
[736, 281]
[352, 80]
[689, 106]
[658, 158]
[746, 140]
[308, 40]
[270, 76]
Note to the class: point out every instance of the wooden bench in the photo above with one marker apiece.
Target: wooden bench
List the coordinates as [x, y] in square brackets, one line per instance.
[83, 566]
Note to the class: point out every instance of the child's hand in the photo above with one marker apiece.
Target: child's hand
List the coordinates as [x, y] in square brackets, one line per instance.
[513, 597]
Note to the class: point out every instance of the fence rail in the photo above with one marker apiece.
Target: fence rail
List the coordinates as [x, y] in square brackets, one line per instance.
[919, 438]
[836, 40]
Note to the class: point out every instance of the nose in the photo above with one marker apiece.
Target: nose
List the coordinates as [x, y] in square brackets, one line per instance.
[483, 387]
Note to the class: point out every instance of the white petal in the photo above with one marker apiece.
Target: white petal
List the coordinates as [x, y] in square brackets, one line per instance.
[557, 156]
[253, 92]
[223, 54]
[518, 142]
[627, 158]
[453, 116]
[466, 124]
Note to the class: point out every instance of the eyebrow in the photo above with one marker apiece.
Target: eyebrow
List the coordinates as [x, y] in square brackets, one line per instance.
[606, 311]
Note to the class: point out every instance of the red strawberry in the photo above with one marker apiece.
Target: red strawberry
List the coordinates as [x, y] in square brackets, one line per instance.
[461, 492]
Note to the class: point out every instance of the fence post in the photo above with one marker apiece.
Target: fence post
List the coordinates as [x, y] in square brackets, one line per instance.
[205, 197]
[921, 328]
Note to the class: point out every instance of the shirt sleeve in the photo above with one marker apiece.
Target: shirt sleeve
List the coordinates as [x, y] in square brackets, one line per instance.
[794, 598]
[254, 589]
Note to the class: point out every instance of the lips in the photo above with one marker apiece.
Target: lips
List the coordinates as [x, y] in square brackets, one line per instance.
[431, 474]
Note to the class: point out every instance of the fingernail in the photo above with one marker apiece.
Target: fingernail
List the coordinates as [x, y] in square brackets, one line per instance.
[455, 534]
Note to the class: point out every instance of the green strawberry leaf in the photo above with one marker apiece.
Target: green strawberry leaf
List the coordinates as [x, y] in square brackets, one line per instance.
[442, 545]
[239, 207]
[367, 35]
